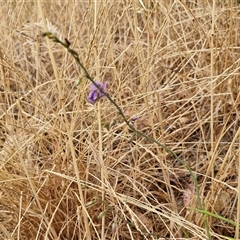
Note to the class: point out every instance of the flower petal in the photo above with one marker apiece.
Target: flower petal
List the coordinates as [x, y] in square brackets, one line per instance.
[95, 93]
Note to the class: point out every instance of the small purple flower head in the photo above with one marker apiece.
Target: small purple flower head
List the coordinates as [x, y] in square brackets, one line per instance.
[95, 93]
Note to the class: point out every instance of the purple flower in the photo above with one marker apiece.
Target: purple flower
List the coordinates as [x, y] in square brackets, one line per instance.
[95, 93]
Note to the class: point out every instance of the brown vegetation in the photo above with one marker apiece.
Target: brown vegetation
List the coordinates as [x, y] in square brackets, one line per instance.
[72, 170]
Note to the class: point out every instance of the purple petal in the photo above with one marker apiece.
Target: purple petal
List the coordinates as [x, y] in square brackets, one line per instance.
[93, 96]
[102, 85]
[95, 93]
[93, 87]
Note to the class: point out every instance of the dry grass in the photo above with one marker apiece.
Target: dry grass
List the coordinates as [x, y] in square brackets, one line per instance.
[72, 170]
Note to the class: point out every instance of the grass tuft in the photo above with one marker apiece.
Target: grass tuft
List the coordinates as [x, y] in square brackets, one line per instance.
[72, 170]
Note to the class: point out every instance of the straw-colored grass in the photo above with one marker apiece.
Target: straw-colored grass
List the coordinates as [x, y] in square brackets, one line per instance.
[72, 170]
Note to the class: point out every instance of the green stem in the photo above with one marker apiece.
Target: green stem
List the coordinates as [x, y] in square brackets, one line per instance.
[74, 54]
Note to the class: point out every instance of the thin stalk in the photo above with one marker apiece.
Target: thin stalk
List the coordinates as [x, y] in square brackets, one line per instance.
[74, 54]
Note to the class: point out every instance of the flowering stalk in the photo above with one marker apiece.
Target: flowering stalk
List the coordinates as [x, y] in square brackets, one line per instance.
[99, 89]
[74, 54]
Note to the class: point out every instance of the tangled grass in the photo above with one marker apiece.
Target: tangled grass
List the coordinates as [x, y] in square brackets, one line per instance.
[73, 170]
